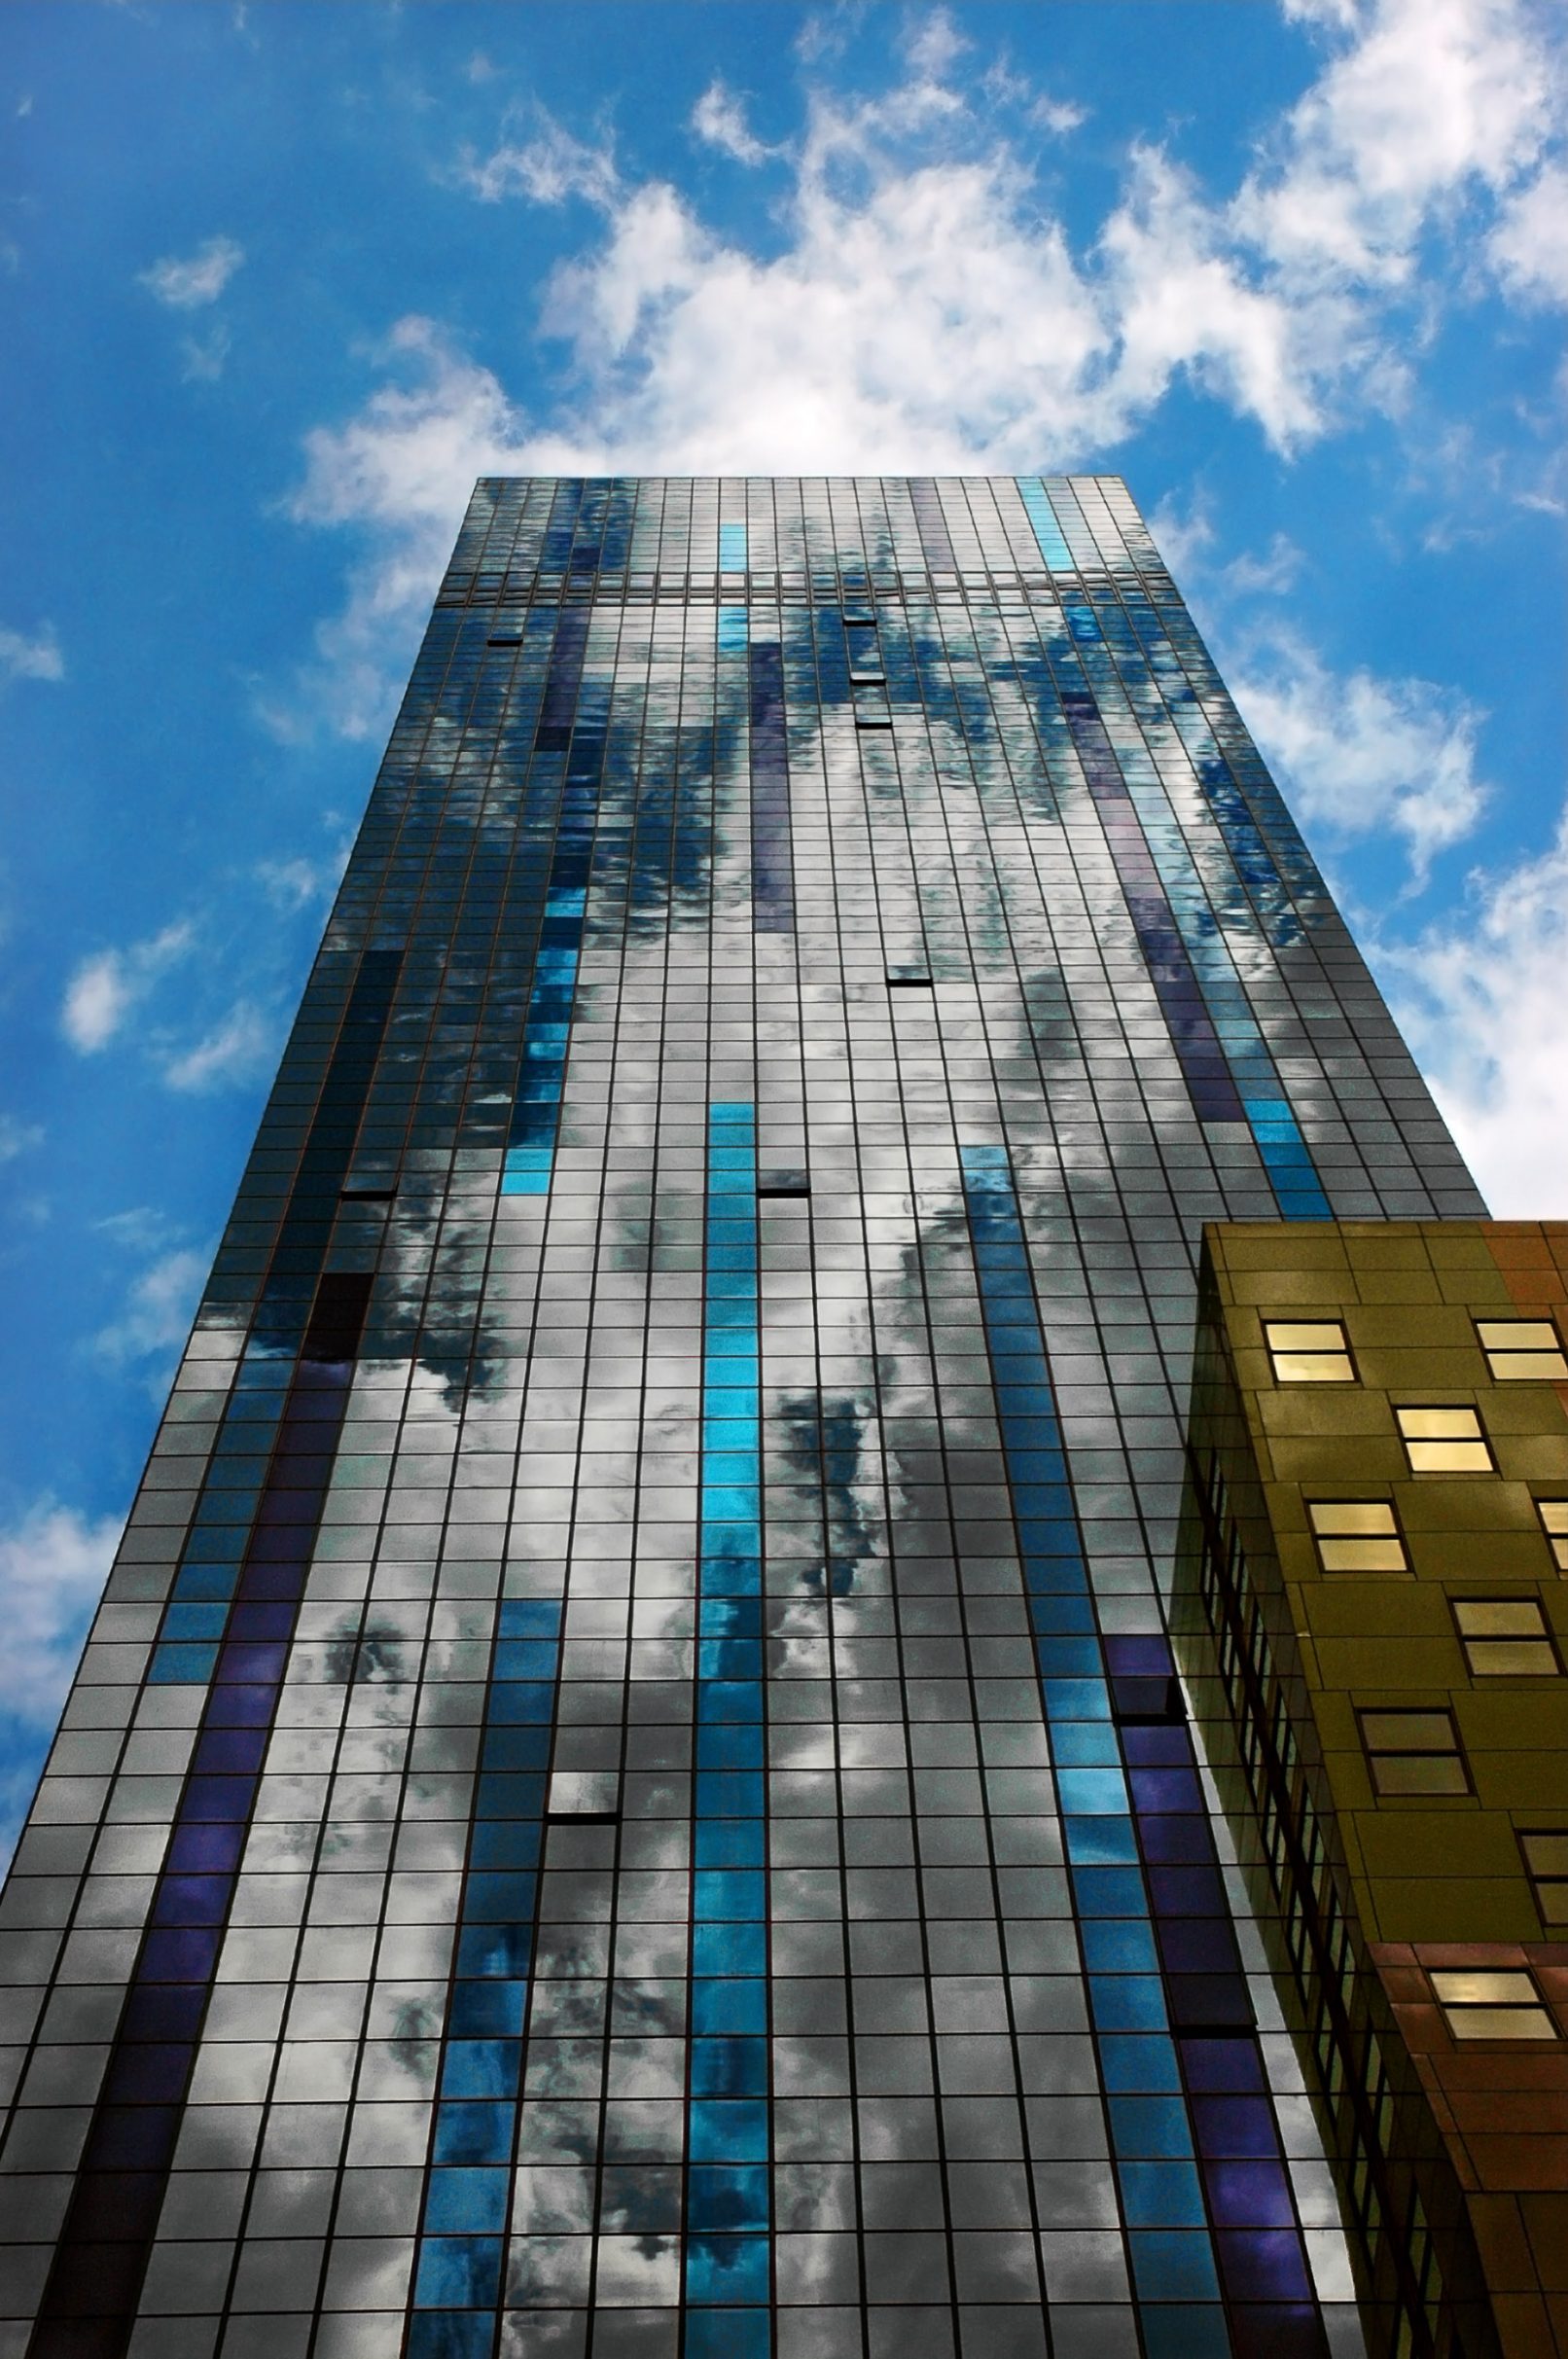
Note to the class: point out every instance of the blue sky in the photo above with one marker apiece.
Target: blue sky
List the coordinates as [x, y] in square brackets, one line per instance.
[277, 283]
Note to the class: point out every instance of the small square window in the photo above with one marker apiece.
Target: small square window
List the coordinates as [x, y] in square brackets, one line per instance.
[1413, 1752]
[1478, 2005]
[1357, 1536]
[1522, 1349]
[1554, 1515]
[1309, 1351]
[1546, 1864]
[1444, 1441]
[1504, 1638]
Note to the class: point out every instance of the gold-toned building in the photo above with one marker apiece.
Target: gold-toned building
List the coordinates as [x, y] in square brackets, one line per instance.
[1373, 1620]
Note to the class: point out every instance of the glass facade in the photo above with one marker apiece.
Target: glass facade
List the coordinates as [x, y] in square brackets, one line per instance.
[628, 1798]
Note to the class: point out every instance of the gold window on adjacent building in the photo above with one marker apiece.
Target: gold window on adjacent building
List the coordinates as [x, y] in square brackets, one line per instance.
[1554, 1515]
[1522, 1349]
[1504, 1638]
[1309, 1351]
[1411, 1751]
[1444, 1441]
[1546, 1863]
[1482, 2005]
[1357, 1536]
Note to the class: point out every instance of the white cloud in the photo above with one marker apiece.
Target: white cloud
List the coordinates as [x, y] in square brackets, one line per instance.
[291, 885]
[404, 469]
[1529, 246]
[159, 1308]
[186, 283]
[1481, 998]
[106, 986]
[545, 169]
[237, 1045]
[926, 309]
[719, 120]
[1429, 100]
[38, 657]
[205, 356]
[1361, 755]
[54, 1561]
[18, 1138]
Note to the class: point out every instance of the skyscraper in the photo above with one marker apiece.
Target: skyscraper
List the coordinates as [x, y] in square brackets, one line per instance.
[629, 1796]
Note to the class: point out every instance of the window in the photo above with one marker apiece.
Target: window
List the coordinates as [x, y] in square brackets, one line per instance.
[1308, 1352]
[1504, 1638]
[1413, 1752]
[1546, 1864]
[1522, 1349]
[591, 1794]
[1444, 1441]
[1357, 1536]
[1492, 2006]
[1554, 1515]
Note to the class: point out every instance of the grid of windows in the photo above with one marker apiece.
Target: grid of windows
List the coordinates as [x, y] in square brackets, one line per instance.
[663, 1777]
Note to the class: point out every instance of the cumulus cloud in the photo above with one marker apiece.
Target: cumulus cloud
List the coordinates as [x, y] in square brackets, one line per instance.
[35, 657]
[1430, 100]
[1361, 755]
[925, 308]
[1481, 998]
[106, 986]
[185, 282]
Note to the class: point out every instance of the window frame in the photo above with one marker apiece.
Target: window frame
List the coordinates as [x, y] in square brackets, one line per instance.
[1414, 1442]
[1372, 1754]
[1469, 1642]
[1321, 1541]
[1345, 1370]
[1536, 1353]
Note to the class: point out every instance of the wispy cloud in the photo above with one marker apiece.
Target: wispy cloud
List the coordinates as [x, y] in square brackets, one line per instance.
[18, 1138]
[240, 1044]
[154, 1317]
[547, 167]
[54, 1561]
[185, 282]
[291, 885]
[35, 657]
[1481, 998]
[106, 986]
[205, 356]
[719, 121]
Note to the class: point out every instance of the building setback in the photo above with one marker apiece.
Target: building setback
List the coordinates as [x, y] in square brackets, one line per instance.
[629, 1796]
